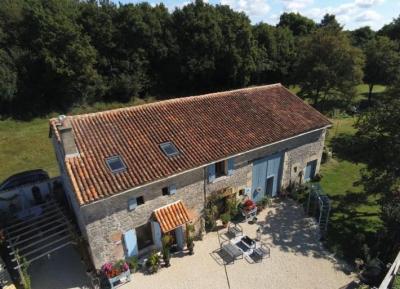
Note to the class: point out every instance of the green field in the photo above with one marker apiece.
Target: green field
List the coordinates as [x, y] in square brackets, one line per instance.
[25, 145]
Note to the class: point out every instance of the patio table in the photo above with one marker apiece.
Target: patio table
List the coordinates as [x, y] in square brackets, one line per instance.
[232, 250]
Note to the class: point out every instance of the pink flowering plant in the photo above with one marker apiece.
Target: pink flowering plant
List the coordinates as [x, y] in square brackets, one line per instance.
[112, 270]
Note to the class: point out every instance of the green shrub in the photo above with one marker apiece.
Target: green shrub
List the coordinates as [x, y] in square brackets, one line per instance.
[133, 263]
[232, 207]
[225, 218]
[153, 262]
[210, 217]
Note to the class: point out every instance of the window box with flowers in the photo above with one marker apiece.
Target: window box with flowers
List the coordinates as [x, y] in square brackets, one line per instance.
[117, 273]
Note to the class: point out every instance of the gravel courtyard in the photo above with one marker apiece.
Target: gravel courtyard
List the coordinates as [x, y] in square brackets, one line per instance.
[297, 259]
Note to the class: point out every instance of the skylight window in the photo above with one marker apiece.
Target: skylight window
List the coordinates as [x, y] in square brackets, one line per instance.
[115, 164]
[169, 149]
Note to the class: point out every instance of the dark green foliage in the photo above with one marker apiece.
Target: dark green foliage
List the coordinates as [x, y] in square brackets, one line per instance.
[57, 54]
[275, 54]
[215, 47]
[379, 127]
[361, 36]
[391, 30]
[382, 64]
[329, 68]
[329, 21]
[298, 24]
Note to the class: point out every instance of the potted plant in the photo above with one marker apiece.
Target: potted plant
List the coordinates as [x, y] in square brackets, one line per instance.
[153, 262]
[133, 263]
[225, 218]
[118, 272]
[166, 253]
[189, 238]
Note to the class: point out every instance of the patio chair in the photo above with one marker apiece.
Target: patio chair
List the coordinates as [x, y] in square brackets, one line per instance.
[261, 252]
[235, 229]
[231, 250]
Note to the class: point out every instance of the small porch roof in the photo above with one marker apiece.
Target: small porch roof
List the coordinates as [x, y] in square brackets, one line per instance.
[172, 216]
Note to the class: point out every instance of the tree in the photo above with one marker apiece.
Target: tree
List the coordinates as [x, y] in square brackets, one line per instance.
[216, 47]
[328, 66]
[379, 128]
[8, 77]
[361, 36]
[329, 21]
[382, 63]
[276, 51]
[391, 30]
[298, 24]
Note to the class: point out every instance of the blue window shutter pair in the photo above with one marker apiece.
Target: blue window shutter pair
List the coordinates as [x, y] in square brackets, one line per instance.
[172, 189]
[211, 169]
[132, 204]
[130, 241]
[231, 166]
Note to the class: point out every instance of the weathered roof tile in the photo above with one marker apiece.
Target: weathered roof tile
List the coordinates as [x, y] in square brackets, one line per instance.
[204, 129]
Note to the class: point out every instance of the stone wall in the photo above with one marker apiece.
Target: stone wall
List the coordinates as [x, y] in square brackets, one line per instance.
[108, 219]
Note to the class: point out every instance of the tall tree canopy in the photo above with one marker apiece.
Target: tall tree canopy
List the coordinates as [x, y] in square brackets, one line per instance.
[329, 67]
[382, 63]
[392, 30]
[216, 47]
[361, 36]
[58, 53]
[379, 128]
[297, 23]
[329, 21]
[275, 54]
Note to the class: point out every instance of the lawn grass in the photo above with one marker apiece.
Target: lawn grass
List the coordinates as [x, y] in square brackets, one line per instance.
[354, 216]
[25, 146]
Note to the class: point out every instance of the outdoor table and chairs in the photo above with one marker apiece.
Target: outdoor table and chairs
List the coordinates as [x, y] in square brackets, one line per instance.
[241, 246]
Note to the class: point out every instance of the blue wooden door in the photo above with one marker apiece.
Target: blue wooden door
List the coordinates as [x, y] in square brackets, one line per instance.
[258, 179]
[310, 170]
[274, 171]
[130, 242]
[266, 171]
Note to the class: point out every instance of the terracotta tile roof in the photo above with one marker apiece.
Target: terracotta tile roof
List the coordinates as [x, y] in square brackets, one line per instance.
[203, 128]
[172, 216]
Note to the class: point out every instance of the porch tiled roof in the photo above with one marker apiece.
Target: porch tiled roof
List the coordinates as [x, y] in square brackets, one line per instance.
[204, 129]
[172, 216]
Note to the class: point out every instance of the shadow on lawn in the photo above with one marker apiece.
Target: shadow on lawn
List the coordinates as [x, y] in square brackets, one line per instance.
[349, 229]
[351, 148]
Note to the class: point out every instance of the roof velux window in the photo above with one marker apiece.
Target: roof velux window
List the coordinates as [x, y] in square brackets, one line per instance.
[169, 149]
[116, 164]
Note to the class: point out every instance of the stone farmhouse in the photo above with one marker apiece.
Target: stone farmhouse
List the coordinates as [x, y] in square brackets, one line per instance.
[133, 174]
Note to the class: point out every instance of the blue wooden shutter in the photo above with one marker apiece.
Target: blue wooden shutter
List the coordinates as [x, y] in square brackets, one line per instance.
[179, 237]
[231, 166]
[211, 173]
[172, 189]
[156, 234]
[132, 204]
[130, 240]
